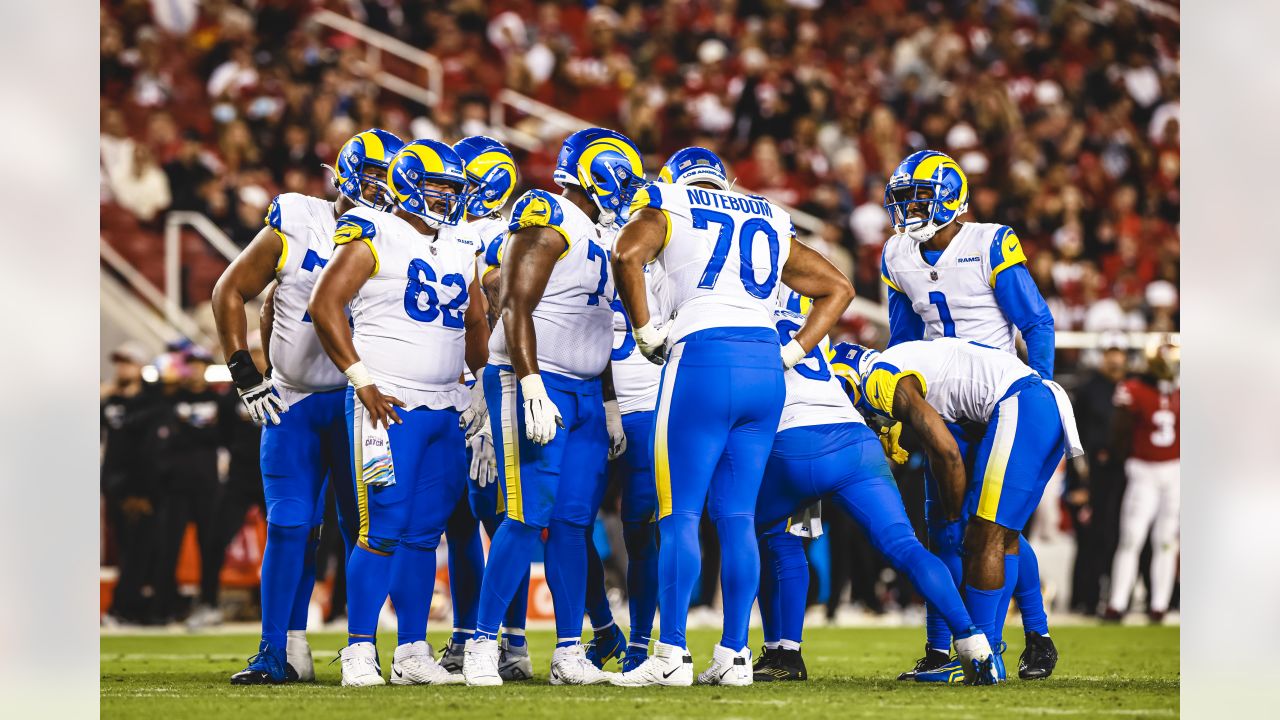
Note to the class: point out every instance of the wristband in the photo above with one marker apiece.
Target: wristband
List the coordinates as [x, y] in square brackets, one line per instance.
[792, 353]
[244, 372]
[358, 375]
[532, 387]
[648, 335]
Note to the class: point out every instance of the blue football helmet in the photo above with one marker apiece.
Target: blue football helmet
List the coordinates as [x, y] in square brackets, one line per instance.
[429, 161]
[491, 169]
[607, 166]
[694, 164]
[852, 362]
[946, 199]
[363, 161]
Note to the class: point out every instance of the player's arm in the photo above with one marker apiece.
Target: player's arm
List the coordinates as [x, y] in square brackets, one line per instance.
[267, 323]
[945, 461]
[904, 324]
[812, 275]
[246, 277]
[491, 283]
[476, 322]
[612, 413]
[640, 241]
[1020, 301]
[530, 257]
[351, 265]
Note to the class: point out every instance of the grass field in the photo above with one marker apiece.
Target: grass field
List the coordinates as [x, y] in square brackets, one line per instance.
[1104, 672]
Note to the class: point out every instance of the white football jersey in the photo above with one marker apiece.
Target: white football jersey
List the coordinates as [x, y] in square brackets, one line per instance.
[722, 258]
[492, 231]
[305, 226]
[962, 380]
[956, 297]
[635, 379]
[573, 322]
[408, 316]
[814, 393]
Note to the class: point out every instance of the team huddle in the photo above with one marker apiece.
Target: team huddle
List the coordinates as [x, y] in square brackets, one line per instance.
[449, 369]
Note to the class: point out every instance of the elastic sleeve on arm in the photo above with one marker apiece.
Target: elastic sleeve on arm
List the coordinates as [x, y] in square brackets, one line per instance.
[1020, 300]
[904, 324]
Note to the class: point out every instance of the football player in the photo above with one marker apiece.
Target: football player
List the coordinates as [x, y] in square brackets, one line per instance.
[408, 276]
[969, 280]
[492, 172]
[1147, 435]
[304, 440]
[721, 254]
[1029, 423]
[824, 449]
[546, 388]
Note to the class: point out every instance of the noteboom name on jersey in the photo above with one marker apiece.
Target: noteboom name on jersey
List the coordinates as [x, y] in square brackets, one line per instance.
[737, 203]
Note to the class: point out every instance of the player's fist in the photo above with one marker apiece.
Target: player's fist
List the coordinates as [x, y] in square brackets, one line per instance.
[541, 416]
[613, 421]
[889, 437]
[652, 342]
[476, 415]
[484, 465]
[263, 403]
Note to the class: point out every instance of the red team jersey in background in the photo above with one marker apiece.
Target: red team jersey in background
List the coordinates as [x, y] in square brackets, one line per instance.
[1155, 419]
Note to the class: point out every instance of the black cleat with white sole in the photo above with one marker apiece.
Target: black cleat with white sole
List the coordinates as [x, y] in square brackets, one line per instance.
[932, 660]
[1038, 659]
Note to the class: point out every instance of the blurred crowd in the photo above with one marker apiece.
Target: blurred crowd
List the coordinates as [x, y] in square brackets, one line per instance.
[1064, 115]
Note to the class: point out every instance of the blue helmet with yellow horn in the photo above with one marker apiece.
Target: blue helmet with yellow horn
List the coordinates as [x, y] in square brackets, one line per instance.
[491, 169]
[926, 192]
[362, 163]
[607, 166]
[427, 179]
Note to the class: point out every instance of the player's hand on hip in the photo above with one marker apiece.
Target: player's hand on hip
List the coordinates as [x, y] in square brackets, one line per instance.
[652, 342]
[541, 416]
[613, 421]
[476, 416]
[263, 403]
[381, 407]
[484, 465]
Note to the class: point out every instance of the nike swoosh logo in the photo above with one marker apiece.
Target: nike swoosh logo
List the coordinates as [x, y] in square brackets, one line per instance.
[726, 672]
[667, 675]
[398, 672]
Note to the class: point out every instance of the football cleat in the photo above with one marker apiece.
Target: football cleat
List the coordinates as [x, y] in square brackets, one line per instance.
[634, 658]
[951, 673]
[360, 666]
[974, 654]
[787, 665]
[480, 662]
[727, 668]
[606, 645]
[299, 665]
[265, 668]
[414, 664]
[1038, 659]
[668, 665]
[453, 655]
[570, 666]
[765, 659]
[514, 663]
[932, 660]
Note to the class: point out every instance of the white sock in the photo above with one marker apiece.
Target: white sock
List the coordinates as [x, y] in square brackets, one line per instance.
[771, 646]
[297, 635]
[789, 645]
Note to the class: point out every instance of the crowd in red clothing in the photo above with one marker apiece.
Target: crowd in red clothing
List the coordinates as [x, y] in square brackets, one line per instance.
[1066, 122]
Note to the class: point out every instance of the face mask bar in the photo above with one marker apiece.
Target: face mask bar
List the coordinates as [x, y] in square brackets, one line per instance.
[899, 198]
[455, 205]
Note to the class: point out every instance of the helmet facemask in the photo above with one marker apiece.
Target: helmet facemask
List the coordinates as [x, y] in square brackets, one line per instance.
[612, 184]
[903, 197]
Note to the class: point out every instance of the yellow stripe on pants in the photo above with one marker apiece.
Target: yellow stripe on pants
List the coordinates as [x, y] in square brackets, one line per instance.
[511, 445]
[998, 460]
[661, 461]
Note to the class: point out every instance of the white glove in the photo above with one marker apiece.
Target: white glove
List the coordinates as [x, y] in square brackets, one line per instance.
[541, 416]
[613, 421]
[263, 403]
[476, 415]
[792, 353]
[652, 342]
[484, 464]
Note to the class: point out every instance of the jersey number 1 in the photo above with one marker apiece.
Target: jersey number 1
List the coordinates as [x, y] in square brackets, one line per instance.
[944, 313]
[746, 238]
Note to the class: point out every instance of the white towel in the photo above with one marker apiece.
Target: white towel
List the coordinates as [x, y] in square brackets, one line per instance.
[373, 450]
[1068, 416]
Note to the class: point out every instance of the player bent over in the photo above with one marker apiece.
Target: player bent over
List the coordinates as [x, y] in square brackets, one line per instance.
[409, 277]
[304, 439]
[926, 384]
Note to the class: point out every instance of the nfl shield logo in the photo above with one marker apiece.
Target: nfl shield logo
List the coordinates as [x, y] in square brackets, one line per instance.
[933, 275]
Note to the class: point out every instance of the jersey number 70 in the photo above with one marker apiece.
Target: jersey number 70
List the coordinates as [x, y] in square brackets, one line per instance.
[746, 238]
